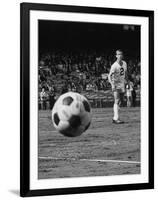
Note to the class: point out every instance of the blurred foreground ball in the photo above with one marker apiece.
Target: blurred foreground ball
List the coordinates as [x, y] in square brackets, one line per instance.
[71, 114]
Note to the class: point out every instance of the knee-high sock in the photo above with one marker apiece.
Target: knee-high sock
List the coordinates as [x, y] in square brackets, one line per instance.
[116, 111]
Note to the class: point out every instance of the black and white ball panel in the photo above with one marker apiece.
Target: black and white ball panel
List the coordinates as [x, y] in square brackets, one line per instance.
[72, 132]
[86, 105]
[67, 100]
[56, 119]
[87, 126]
[71, 114]
[63, 125]
[77, 108]
[64, 112]
[85, 118]
[75, 121]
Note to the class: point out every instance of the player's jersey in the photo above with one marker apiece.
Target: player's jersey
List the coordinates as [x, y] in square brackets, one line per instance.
[117, 74]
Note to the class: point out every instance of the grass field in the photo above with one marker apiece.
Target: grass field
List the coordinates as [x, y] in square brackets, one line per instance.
[104, 149]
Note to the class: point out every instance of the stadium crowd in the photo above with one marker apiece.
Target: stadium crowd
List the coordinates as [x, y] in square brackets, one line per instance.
[60, 72]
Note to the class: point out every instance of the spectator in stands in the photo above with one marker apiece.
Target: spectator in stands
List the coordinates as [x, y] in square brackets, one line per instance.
[52, 98]
[129, 89]
[82, 69]
[64, 89]
[73, 87]
[133, 97]
[43, 99]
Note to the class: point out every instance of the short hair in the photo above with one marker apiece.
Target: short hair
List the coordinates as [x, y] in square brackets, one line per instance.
[120, 50]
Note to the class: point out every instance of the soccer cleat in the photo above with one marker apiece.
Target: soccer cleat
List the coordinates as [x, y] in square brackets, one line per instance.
[117, 121]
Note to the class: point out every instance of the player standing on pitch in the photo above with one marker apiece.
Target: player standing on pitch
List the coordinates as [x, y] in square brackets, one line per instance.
[117, 79]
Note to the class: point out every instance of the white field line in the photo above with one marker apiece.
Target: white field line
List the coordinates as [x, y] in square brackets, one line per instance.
[114, 161]
[54, 131]
[90, 160]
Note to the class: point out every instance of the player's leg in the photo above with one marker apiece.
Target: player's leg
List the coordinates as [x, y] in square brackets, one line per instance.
[116, 107]
[121, 102]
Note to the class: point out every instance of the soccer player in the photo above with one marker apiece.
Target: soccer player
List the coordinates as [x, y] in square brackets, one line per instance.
[117, 78]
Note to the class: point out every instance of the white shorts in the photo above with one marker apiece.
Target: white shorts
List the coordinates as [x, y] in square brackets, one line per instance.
[119, 87]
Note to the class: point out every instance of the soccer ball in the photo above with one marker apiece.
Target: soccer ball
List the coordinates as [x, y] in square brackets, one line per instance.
[71, 114]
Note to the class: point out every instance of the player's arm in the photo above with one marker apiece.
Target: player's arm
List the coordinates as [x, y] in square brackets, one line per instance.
[111, 75]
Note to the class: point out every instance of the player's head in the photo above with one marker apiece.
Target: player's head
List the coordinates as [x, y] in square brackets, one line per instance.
[119, 54]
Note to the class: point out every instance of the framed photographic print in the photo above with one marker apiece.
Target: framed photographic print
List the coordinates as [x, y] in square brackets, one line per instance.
[87, 99]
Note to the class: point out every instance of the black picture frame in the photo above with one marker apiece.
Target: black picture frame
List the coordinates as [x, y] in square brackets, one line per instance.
[25, 9]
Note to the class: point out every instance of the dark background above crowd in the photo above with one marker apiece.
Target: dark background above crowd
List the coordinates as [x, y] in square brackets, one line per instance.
[79, 36]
